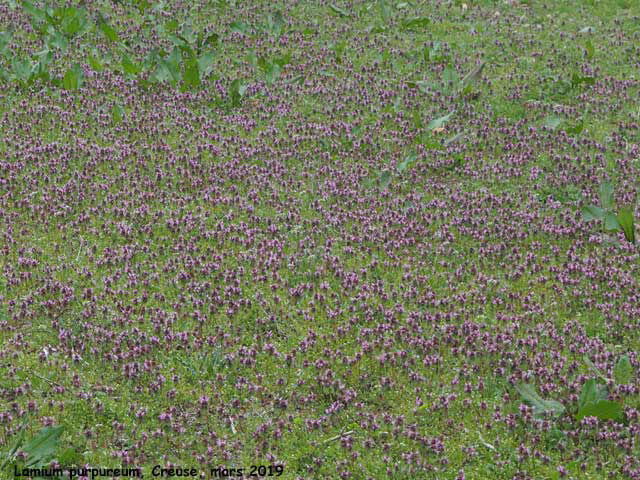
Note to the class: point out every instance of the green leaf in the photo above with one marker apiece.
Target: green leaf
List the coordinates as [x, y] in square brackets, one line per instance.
[625, 219]
[42, 447]
[22, 69]
[577, 128]
[552, 122]
[385, 179]
[237, 91]
[473, 75]
[129, 67]
[623, 371]
[439, 122]
[340, 11]
[606, 195]
[592, 212]
[239, 27]
[117, 113]
[57, 40]
[191, 77]
[107, 29]
[73, 78]
[591, 392]
[611, 222]
[577, 80]
[408, 160]
[37, 13]
[450, 77]
[603, 409]
[95, 63]
[431, 54]
[417, 23]
[453, 139]
[205, 63]
[588, 46]
[540, 406]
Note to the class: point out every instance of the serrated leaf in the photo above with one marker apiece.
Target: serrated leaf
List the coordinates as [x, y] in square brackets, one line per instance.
[602, 409]
[439, 122]
[42, 447]
[623, 371]
[592, 212]
[625, 219]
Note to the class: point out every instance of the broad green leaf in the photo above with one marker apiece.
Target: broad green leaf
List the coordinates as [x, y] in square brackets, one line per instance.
[453, 139]
[205, 63]
[552, 122]
[117, 113]
[473, 75]
[625, 219]
[623, 371]
[129, 67]
[95, 63]
[339, 11]
[540, 405]
[211, 40]
[239, 27]
[385, 179]
[408, 160]
[57, 40]
[191, 77]
[577, 128]
[107, 29]
[42, 447]
[606, 195]
[171, 26]
[592, 212]
[431, 54]
[237, 90]
[73, 78]
[591, 392]
[577, 80]
[611, 222]
[22, 69]
[439, 122]
[37, 13]
[417, 23]
[450, 77]
[588, 46]
[603, 409]
[385, 10]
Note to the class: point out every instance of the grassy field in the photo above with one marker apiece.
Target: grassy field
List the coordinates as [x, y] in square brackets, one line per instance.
[350, 240]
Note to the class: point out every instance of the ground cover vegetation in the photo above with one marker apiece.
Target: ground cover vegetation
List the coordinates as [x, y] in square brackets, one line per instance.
[356, 240]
